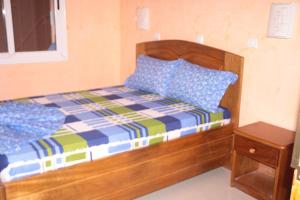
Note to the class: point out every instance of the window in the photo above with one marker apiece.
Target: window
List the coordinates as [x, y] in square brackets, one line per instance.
[3, 38]
[32, 31]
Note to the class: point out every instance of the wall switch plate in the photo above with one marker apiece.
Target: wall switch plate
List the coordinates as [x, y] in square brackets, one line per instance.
[200, 39]
[157, 36]
[252, 42]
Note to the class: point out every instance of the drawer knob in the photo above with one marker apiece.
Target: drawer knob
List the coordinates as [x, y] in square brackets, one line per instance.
[252, 150]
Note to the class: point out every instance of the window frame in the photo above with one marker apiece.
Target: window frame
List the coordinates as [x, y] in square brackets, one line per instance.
[60, 54]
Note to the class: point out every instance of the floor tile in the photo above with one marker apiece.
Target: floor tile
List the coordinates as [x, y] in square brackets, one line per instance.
[213, 185]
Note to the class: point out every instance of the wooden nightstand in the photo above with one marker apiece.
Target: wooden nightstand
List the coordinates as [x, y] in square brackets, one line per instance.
[261, 161]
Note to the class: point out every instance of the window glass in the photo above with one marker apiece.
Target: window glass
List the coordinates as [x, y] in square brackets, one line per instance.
[32, 31]
[3, 38]
[33, 25]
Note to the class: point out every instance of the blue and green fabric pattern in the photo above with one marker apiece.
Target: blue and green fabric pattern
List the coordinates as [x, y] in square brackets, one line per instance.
[103, 122]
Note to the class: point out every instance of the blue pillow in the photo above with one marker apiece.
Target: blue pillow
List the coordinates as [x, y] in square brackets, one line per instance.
[152, 75]
[200, 86]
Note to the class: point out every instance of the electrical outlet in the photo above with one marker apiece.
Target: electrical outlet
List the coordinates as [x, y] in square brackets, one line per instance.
[157, 36]
[252, 42]
[200, 39]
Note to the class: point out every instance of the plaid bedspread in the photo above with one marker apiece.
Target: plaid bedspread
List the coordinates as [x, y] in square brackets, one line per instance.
[103, 122]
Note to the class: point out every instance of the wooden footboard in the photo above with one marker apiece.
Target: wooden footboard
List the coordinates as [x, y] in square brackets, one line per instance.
[129, 174]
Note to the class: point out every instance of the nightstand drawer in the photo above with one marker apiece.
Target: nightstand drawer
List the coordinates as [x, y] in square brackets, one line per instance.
[257, 151]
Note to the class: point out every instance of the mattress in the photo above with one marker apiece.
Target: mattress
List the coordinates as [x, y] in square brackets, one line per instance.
[104, 122]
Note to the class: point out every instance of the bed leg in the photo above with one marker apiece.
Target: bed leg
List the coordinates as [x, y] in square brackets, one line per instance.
[2, 192]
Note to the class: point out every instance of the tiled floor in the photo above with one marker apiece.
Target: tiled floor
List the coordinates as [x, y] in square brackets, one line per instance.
[213, 185]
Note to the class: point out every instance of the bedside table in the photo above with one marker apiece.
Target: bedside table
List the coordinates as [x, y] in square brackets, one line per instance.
[261, 161]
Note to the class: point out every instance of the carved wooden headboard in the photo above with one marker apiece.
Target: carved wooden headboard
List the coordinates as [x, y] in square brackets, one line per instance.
[205, 56]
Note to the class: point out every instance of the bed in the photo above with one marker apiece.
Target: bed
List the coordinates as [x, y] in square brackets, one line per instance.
[146, 168]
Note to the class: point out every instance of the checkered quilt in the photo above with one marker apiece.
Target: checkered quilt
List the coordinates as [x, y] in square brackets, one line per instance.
[103, 122]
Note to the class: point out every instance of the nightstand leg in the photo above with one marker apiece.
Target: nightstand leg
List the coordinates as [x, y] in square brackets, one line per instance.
[233, 168]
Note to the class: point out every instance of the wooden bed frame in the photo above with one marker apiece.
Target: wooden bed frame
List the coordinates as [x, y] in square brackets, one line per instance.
[138, 172]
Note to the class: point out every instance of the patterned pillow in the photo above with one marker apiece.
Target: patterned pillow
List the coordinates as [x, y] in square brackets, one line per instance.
[152, 75]
[200, 86]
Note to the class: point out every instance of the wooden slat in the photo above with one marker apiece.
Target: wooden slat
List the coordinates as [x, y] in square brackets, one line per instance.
[232, 97]
[133, 191]
[2, 192]
[173, 49]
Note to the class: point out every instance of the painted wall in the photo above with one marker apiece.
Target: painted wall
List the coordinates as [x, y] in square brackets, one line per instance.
[98, 28]
[271, 87]
[94, 55]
